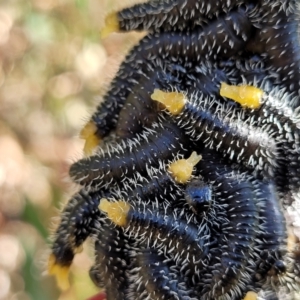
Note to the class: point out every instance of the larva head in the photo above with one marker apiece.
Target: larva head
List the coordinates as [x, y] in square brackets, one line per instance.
[116, 211]
[173, 101]
[181, 170]
[61, 272]
[280, 267]
[250, 296]
[111, 25]
[248, 96]
[198, 195]
[88, 133]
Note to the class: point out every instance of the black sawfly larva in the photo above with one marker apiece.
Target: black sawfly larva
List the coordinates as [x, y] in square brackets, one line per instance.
[228, 268]
[111, 262]
[157, 278]
[160, 142]
[161, 229]
[191, 46]
[167, 15]
[77, 223]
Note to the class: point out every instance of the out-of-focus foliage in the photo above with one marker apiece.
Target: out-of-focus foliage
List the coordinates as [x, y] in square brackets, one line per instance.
[53, 70]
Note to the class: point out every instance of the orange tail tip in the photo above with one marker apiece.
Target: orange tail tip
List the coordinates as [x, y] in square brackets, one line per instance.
[116, 211]
[181, 170]
[111, 25]
[173, 101]
[61, 273]
[246, 95]
[251, 296]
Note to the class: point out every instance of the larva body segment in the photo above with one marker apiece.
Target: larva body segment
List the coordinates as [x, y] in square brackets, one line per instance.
[251, 70]
[230, 266]
[276, 108]
[163, 186]
[280, 56]
[280, 40]
[160, 187]
[273, 231]
[111, 262]
[204, 119]
[163, 229]
[157, 280]
[106, 116]
[157, 186]
[206, 77]
[233, 31]
[290, 166]
[139, 111]
[162, 141]
[170, 15]
[77, 223]
[129, 74]
[276, 113]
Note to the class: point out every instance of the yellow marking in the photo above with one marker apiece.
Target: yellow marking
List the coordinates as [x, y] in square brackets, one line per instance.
[251, 296]
[181, 170]
[246, 95]
[173, 101]
[88, 133]
[116, 211]
[61, 273]
[111, 25]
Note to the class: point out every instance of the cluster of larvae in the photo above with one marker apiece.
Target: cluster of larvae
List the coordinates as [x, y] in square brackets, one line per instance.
[193, 157]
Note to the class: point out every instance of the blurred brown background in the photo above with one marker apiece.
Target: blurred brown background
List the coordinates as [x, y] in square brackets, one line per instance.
[53, 70]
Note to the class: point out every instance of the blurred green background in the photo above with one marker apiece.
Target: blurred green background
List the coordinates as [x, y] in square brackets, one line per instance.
[53, 70]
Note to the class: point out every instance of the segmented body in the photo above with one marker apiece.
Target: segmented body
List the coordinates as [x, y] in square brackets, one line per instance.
[130, 156]
[217, 127]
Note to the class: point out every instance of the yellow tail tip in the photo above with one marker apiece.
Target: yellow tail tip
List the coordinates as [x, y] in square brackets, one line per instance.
[61, 273]
[90, 145]
[111, 25]
[182, 169]
[116, 211]
[251, 296]
[88, 133]
[89, 129]
[246, 95]
[173, 101]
